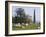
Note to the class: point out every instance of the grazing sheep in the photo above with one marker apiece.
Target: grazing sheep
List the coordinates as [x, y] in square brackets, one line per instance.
[18, 24]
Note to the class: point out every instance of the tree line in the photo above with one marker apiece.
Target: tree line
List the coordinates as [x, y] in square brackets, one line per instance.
[21, 17]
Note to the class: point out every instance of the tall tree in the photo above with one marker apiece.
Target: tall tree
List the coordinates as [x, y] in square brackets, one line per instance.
[34, 16]
[20, 15]
[20, 11]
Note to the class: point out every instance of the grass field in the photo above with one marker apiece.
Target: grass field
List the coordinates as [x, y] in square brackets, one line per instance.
[29, 27]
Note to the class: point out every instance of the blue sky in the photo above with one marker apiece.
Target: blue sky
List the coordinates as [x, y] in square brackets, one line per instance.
[29, 11]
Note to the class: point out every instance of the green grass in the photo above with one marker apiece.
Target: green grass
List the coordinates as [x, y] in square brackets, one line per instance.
[29, 27]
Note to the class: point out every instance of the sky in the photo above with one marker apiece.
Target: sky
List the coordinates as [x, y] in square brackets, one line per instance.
[29, 11]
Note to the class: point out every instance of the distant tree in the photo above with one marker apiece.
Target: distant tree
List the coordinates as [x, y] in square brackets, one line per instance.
[34, 16]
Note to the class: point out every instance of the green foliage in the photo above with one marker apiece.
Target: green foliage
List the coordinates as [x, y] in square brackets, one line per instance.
[21, 17]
